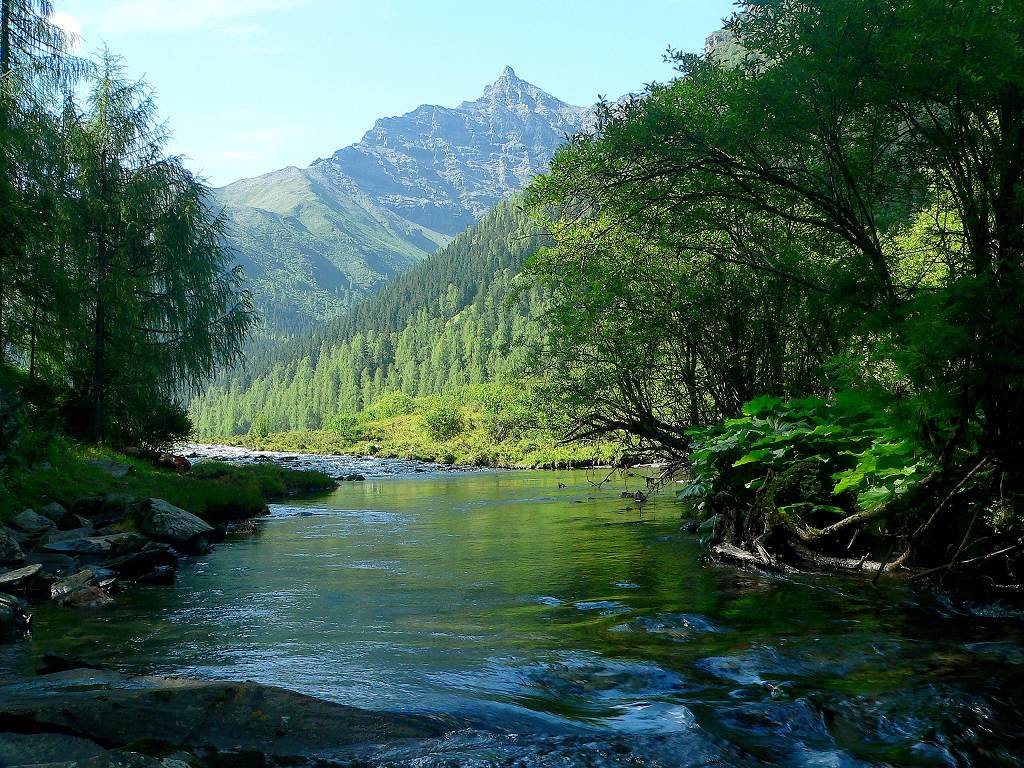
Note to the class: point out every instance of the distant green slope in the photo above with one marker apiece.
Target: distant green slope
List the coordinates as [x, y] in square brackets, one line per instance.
[454, 319]
[310, 245]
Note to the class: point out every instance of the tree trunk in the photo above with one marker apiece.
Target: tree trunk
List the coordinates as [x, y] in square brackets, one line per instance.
[5, 71]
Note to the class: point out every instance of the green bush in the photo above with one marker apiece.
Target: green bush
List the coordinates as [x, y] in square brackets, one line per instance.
[390, 405]
[443, 421]
[814, 460]
[351, 426]
[506, 412]
[260, 427]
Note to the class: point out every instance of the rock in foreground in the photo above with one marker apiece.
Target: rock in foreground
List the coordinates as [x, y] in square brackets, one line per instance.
[169, 714]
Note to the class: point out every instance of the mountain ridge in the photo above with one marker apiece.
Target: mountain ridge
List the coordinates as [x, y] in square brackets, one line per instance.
[314, 240]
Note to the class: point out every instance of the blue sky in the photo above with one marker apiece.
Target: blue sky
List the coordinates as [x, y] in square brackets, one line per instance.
[249, 86]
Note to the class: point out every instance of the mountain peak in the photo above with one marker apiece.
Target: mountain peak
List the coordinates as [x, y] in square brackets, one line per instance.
[507, 74]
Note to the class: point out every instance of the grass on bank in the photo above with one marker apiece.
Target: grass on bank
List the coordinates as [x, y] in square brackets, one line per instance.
[62, 471]
[487, 425]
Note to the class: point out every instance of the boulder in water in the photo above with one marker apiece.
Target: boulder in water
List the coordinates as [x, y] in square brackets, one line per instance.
[14, 618]
[151, 561]
[90, 596]
[61, 589]
[165, 522]
[117, 711]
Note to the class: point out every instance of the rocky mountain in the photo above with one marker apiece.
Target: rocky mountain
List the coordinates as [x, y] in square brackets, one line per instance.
[312, 240]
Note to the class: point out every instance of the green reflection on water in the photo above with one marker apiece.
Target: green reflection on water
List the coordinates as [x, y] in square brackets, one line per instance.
[500, 592]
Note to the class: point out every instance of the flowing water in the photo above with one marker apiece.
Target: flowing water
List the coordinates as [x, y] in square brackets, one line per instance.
[566, 626]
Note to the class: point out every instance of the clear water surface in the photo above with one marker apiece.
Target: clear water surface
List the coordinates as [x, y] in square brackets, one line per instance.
[566, 626]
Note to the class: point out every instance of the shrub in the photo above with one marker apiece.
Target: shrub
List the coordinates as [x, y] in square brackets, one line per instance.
[810, 459]
[443, 421]
[390, 405]
[260, 427]
[506, 412]
[348, 425]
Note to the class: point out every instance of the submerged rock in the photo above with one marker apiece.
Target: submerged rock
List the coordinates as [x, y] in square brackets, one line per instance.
[15, 619]
[91, 596]
[167, 714]
[170, 524]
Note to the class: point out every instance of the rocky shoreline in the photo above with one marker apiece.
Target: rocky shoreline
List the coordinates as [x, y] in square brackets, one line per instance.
[80, 557]
[74, 715]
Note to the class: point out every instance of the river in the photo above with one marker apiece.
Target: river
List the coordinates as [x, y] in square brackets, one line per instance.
[566, 626]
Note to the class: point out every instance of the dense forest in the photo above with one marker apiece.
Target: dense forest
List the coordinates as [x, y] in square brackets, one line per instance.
[458, 318]
[795, 272]
[118, 296]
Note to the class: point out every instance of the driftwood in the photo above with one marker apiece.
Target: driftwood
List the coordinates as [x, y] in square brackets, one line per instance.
[733, 554]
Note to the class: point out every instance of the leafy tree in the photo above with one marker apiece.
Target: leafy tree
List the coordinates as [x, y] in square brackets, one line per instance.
[164, 307]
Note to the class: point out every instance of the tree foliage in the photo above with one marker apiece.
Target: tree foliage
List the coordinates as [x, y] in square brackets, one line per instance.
[116, 293]
[836, 204]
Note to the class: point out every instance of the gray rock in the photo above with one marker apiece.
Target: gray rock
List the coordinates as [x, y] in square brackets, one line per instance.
[118, 711]
[68, 535]
[14, 618]
[170, 524]
[61, 589]
[54, 510]
[32, 581]
[104, 510]
[41, 748]
[113, 468]
[19, 576]
[10, 549]
[152, 563]
[78, 547]
[62, 518]
[55, 564]
[32, 523]
[89, 596]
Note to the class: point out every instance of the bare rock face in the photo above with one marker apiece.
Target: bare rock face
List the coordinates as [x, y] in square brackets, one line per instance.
[357, 218]
[172, 525]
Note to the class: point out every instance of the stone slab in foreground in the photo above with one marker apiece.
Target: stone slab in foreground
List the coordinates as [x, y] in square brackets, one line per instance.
[115, 711]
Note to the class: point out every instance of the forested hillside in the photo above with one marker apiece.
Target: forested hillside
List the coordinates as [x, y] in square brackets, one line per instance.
[455, 319]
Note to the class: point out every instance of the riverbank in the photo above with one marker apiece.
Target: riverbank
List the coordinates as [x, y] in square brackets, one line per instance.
[79, 523]
[410, 436]
[67, 471]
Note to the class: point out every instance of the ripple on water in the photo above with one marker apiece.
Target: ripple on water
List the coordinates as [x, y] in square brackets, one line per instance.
[606, 607]
[678, 627]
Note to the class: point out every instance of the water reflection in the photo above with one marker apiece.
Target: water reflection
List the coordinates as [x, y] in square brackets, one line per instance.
[575, 619]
